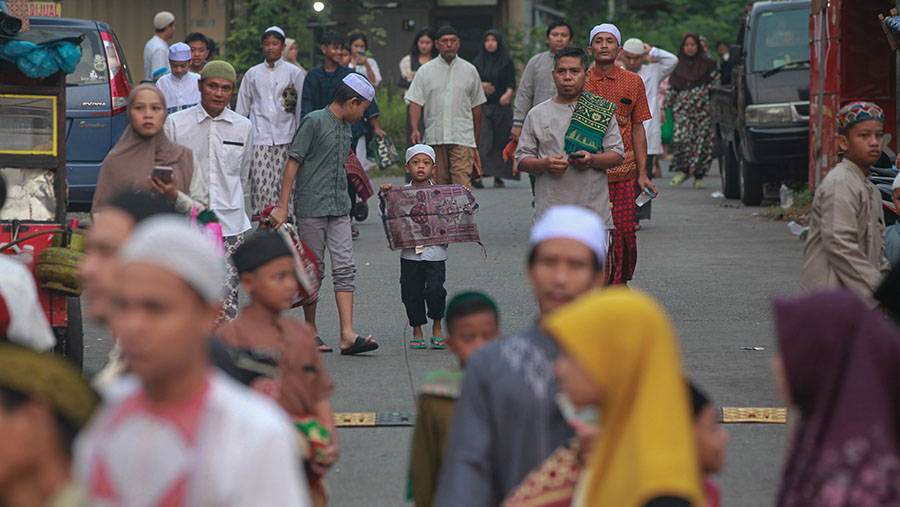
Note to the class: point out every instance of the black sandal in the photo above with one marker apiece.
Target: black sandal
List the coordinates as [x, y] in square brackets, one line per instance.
[361, 213]
[320, 344]
[360, 346]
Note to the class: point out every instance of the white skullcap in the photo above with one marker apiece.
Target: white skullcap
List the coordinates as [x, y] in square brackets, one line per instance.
[179, 52]
[420, 148]
[360, 85]
[571, 222]
[896, 184]
[276, 30]
[163, 19]
[606, 27]
[634, 46]
[173, 244]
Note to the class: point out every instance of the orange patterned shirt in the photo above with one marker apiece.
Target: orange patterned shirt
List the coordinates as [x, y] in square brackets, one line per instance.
[626, 90]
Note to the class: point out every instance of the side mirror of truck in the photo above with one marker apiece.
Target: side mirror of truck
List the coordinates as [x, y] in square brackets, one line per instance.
[736, 52]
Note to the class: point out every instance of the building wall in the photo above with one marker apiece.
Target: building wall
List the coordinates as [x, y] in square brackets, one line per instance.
[132, 20]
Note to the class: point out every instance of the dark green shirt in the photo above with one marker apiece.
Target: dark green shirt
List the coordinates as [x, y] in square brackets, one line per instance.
[321, 146]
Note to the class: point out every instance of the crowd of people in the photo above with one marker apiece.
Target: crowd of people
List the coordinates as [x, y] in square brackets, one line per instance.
[206, 403]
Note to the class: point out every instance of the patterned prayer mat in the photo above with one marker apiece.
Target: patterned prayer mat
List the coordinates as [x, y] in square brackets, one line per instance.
[428, 216]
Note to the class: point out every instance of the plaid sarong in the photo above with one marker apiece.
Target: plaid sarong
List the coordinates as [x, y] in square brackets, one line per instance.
[621, 196]
[589, 123]
[428, 216]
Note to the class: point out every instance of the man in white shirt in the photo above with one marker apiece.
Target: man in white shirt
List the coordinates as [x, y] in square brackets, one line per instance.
[660, 64]
[180, 86]
[270, 95]
[175, 431]
[222, 143]
[156, 51]
[448, 90]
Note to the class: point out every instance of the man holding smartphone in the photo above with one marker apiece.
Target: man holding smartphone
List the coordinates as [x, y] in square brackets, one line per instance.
[577, 178]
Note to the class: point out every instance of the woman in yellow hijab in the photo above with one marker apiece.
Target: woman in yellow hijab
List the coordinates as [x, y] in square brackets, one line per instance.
[620, 354]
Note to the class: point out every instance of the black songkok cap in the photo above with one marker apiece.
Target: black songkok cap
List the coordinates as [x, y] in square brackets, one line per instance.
[140, 205]
[445, 30]
[260, 248]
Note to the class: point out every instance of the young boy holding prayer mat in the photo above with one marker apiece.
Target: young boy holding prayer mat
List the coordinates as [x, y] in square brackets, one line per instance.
[423, 269]
[266, 266]
[316, 173]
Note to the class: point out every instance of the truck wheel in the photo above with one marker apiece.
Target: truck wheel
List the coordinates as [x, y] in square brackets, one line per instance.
[751, 183]
[728, 168]
[70, 339]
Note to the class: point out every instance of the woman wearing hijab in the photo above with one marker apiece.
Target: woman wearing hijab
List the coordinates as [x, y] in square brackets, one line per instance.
[840, 372]
[688, 98]
[498, 78]
[143, 146]
[291, 49]
[630, 369]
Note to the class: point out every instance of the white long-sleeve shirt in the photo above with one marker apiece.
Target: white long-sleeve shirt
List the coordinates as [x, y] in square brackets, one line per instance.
[180, 92]
[270, 97]
[223, 147]
[361, 69]
[653, 74]
[226, 446]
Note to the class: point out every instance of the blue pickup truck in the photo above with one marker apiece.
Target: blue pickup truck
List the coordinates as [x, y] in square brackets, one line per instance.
[96, 94]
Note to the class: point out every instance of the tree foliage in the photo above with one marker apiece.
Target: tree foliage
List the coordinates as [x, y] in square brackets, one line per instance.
[666, 27]
[243, 45]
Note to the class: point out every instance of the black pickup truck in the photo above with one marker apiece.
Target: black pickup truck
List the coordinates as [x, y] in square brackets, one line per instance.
[760, 110]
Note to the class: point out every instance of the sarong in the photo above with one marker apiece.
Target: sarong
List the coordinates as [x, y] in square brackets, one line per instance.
[358, 177]
[589, 123]
[621, 196]
[232, 281]
[266, 172]
[552, 484]
[428, 216]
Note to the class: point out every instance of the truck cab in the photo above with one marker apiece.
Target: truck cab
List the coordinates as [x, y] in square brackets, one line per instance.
[760, 111]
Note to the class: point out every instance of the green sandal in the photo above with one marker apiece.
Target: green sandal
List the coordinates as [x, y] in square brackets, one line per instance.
[438, 343]
[678, 179]
[417, 344]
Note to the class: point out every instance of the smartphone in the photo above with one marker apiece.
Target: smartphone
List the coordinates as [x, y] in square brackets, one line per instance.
[576, 155]
[163, 173]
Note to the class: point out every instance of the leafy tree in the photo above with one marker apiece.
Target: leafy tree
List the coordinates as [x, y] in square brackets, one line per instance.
[663, 27]
[243, 45]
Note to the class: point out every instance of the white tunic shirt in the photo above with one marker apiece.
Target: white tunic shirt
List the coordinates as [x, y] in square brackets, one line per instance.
[447, 92]
[361, 69]
[180, 92]
[156, 58]
[653, 74]
[27, 324]
[223, 147]
[225, 446]
[270, 97]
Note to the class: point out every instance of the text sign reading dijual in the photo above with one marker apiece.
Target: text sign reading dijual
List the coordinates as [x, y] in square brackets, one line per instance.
[50, 9]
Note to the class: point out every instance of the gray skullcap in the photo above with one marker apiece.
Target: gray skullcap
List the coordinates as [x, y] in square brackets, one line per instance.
[219, 69]
[445, 30]
[171, 243]
[634, 47]
[163, 19]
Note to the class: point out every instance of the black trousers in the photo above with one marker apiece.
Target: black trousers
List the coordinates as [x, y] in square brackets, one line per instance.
[421, 284]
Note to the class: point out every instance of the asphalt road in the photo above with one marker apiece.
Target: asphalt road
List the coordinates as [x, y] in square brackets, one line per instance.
[711, 262]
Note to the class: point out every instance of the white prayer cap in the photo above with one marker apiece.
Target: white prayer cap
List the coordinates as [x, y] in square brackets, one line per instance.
[360, 85]
[276, 30]
[634, 47]
[163, 19]
[171, 243]
[896, 184]
[419, 148]
[180, 52]
[606, 27]
[571, 222]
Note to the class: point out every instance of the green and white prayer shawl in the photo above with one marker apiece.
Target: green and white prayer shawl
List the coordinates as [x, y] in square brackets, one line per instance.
[589, 123]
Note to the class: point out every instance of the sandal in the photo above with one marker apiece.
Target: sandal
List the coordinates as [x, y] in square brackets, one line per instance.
[354, 232]
[438, 343]
[361, 211]
[322, 346]
[417, 344]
